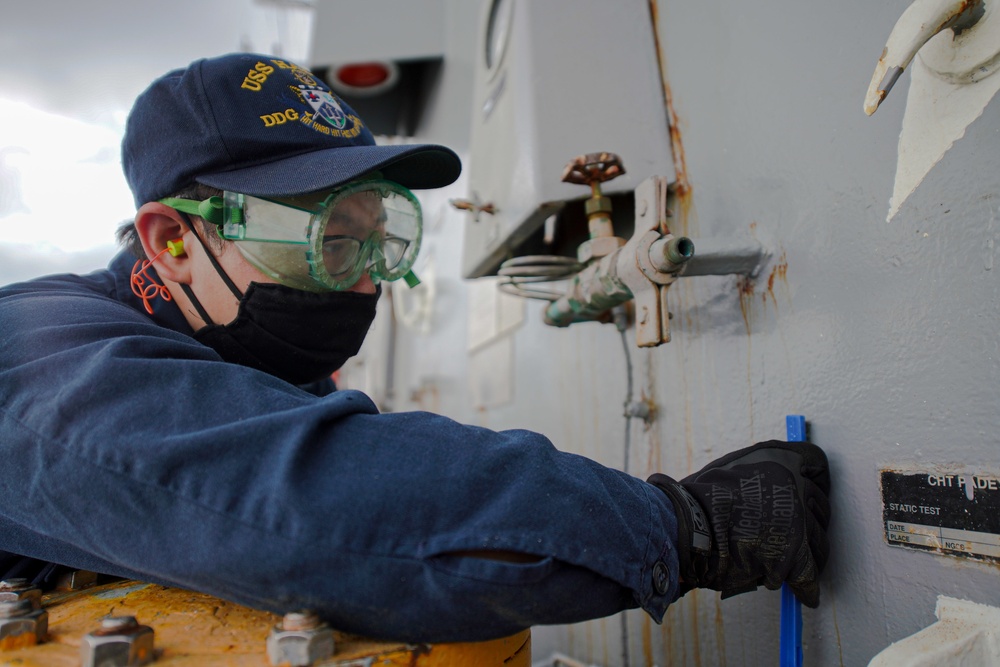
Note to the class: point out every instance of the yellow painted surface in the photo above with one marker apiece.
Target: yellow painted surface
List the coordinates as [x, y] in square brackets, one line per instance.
[197, 629]
[18, 641]
[513, 651]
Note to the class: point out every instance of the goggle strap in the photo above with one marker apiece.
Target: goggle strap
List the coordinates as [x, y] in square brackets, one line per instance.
[411, 279]
[209, 209]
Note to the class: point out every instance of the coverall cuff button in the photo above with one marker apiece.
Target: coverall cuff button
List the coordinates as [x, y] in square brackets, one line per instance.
[661, 578]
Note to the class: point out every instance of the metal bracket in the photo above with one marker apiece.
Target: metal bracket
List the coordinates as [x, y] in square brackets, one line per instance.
[647, 283]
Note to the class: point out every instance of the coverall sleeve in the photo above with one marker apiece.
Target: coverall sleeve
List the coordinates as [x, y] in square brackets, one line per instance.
[133, 450]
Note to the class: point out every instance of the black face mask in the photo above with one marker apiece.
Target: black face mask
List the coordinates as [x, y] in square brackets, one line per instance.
[292, 334]
[298, 336]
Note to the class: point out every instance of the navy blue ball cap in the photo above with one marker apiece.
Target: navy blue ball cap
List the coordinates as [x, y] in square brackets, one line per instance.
[262, 126]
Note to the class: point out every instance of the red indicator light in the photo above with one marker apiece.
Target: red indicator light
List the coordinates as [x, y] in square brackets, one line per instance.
[363, 75]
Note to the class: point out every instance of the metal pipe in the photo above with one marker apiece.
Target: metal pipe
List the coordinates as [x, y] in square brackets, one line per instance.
[591, 294]
[599, 287]
[720, 257]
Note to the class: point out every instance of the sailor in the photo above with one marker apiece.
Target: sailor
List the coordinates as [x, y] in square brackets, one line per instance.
[172, 418]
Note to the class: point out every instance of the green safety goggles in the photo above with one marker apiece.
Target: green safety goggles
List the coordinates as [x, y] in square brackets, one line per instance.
[321, 242]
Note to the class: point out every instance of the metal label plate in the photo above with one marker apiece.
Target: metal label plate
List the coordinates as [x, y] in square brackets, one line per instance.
[952, 514]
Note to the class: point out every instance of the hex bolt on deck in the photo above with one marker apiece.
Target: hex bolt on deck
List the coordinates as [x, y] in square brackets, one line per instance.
[21, 624]
[301, 640]
[120, 642]
[17, 588]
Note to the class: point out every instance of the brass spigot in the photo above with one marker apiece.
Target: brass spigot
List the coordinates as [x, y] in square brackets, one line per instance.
[593, 169]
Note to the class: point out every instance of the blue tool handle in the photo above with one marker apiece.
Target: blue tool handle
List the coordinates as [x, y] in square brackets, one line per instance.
[791, 609]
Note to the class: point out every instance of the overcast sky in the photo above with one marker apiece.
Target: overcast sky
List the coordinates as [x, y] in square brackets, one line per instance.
[68, 75]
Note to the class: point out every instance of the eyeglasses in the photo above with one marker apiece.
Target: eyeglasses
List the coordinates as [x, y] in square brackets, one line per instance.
[341, 253]
[321, 243]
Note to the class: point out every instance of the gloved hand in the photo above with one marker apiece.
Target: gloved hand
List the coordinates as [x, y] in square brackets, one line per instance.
[756, 516]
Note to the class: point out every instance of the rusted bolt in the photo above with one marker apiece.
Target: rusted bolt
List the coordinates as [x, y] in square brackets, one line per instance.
[300, 640]
[17, 588]
[120, 642]
[21, 624]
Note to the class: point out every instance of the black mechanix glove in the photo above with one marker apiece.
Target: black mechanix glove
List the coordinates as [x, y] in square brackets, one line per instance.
[756, 516]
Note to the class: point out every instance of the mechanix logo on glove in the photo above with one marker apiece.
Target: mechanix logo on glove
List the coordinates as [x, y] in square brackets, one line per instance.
[768, 510]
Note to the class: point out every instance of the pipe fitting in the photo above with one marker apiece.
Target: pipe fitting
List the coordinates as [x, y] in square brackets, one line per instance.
[669, 254]
[597, 247]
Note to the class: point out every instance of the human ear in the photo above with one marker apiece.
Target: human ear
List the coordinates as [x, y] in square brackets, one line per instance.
[160, 228]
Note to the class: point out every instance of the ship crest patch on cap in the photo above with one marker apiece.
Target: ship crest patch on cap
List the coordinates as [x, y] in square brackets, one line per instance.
[324, 106]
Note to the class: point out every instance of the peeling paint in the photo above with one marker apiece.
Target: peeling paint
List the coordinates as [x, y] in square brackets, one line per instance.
[119, 593]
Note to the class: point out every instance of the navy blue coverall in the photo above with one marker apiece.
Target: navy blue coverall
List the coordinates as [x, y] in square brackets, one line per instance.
[130, 449]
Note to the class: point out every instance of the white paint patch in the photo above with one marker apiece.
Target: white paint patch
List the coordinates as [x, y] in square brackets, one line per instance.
[937, 115]
[964, 634]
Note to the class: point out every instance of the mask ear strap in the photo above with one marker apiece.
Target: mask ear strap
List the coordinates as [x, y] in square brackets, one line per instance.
[211, 257]
[202, 313]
